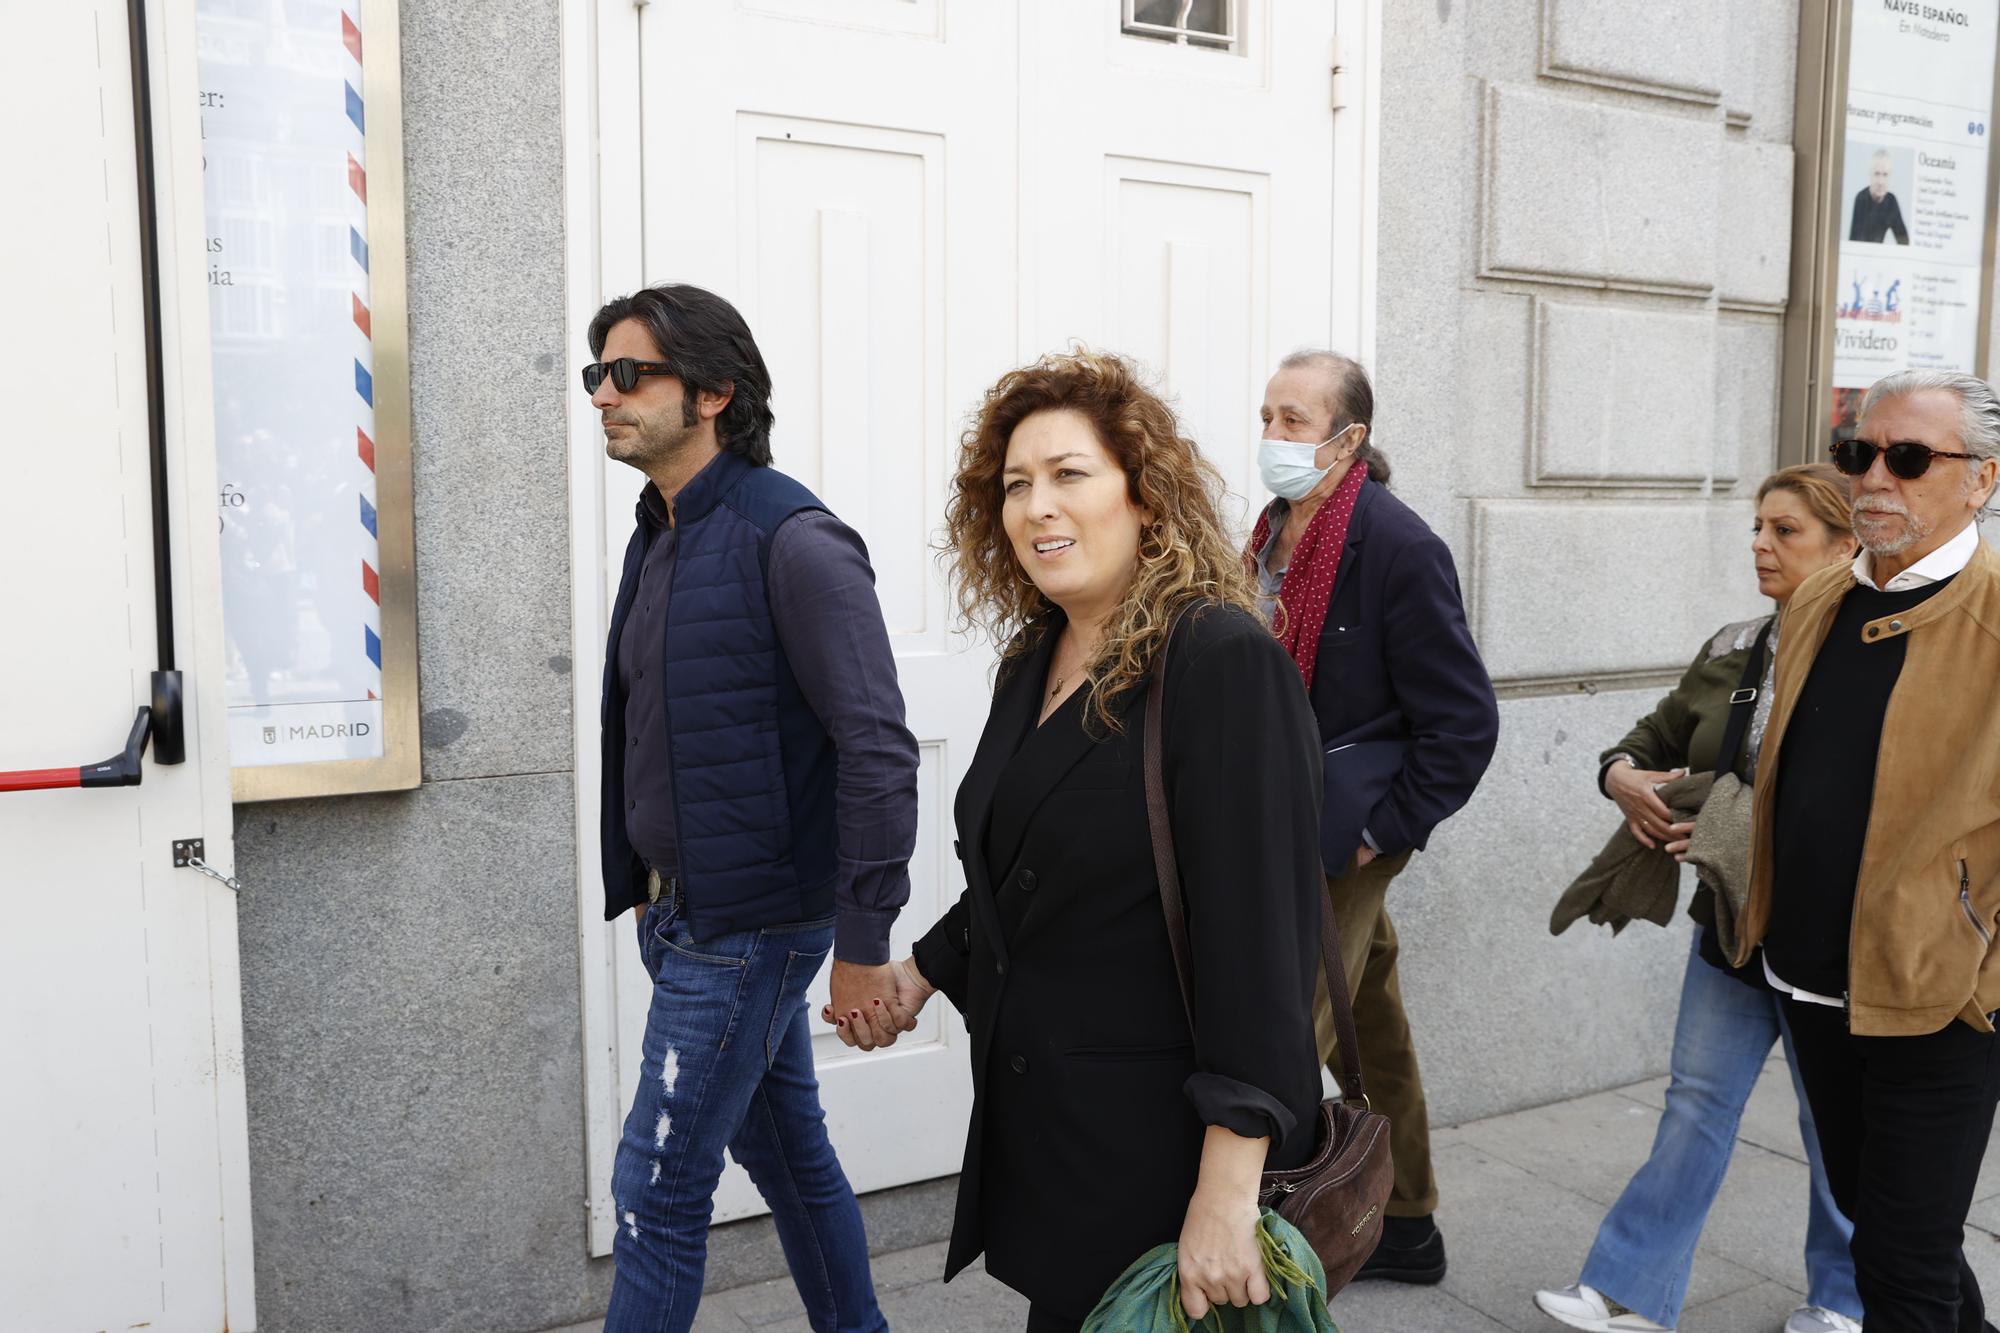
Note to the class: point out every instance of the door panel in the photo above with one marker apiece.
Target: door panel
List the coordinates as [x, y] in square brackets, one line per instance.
[1208, 175]
[125, 1200]
[1189, 296]
[845, 227]
[857, 220]
[906, 198]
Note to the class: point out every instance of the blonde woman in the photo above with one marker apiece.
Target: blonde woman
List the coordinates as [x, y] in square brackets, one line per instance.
[1083, 522]
[1636, 1275]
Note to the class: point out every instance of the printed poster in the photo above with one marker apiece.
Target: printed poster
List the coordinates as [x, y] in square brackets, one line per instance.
[285, 178]
[1909, 282]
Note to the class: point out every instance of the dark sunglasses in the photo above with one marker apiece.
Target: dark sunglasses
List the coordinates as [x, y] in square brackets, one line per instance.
[1905, 458]
[624, 373]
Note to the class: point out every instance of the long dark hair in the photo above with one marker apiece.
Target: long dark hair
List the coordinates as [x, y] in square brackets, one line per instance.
[706, 341]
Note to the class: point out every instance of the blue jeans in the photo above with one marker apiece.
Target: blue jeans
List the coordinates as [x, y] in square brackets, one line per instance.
[728, 1063]
[1646, 1245]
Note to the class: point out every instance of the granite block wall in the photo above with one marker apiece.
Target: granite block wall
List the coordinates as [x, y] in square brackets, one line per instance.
[1583, 267]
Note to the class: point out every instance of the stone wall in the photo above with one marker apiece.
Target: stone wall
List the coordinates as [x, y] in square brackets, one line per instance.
[1584, 259]
[411, 1013]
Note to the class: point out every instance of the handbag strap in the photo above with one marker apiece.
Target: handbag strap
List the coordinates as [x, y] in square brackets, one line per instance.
[1743, 703]
[1167, 867]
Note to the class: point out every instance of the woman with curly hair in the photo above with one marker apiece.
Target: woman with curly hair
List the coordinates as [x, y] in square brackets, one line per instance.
[1083, 526]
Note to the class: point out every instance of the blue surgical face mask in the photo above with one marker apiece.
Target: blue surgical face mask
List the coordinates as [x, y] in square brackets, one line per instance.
[1286, 466]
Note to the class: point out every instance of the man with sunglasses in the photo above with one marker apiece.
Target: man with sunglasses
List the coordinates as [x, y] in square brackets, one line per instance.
[759, 810]
[1875, 872]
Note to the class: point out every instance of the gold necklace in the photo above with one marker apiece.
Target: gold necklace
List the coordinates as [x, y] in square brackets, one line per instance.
[1056, 688]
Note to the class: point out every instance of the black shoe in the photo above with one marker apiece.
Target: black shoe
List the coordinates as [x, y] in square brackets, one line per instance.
[1412, 1251]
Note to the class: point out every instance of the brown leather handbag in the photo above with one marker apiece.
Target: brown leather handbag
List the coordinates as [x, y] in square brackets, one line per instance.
[1336, 1198]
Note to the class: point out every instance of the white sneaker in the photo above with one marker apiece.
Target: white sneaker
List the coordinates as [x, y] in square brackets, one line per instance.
[1819, 1319]
[1589, 1309]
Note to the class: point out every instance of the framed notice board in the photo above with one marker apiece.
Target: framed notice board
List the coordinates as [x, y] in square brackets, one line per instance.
[302, 179]
[1894, 203]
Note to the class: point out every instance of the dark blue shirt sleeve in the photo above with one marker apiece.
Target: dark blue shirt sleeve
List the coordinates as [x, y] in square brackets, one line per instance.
[829, 622]
[1445, 696]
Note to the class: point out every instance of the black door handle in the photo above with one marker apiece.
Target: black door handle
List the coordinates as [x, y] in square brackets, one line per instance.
[160, 723]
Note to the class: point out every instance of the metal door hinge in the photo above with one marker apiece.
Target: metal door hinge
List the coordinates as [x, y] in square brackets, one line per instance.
[1339, 73]
[187, 856]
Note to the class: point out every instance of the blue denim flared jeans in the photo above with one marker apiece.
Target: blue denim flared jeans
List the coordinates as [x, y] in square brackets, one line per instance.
[1646, 1245]
[728, 1064]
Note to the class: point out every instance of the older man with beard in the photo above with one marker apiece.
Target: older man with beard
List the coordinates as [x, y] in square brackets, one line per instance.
[1875, 878]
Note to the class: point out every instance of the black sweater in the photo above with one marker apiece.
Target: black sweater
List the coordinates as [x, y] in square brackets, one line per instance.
[1826, 787]
[1875, 221]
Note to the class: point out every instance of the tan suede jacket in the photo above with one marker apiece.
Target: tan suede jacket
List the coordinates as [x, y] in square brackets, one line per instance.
[1922, 950]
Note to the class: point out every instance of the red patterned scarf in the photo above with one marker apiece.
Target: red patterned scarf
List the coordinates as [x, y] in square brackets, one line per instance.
[1308, 583]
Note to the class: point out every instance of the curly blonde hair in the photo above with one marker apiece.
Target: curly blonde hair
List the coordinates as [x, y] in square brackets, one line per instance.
[1185, 553]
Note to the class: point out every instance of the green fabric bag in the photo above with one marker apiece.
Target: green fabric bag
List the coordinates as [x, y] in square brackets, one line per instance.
[1146, 1298]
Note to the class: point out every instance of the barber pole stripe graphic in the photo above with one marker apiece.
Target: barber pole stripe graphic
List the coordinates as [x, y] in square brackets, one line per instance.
[364, 379]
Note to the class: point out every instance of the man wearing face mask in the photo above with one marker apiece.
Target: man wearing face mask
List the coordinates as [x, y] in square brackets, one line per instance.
[1365, 597]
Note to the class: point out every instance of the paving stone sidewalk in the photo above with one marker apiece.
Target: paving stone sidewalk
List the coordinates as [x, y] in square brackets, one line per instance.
[1523, 1195]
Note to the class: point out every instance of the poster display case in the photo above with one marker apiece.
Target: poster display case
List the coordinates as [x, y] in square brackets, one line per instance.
[1894, 204]
[302, 181]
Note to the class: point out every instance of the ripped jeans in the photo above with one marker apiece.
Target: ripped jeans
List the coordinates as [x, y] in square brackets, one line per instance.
[728, 1063]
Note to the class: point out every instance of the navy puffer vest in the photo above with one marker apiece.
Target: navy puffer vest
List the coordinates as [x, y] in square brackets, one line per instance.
[753, 769]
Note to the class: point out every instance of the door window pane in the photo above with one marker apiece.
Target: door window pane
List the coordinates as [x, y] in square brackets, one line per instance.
[1210, 23]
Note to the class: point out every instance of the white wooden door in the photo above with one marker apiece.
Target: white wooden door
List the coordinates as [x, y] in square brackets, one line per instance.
[906, 198]
[1178, 198]
[842, 171]
[124, 1198]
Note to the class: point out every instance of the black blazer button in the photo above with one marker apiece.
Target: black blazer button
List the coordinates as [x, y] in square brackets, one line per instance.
[1020, 1064]
[1026, 879]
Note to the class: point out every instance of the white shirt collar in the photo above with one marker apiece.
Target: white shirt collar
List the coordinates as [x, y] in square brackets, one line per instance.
[1940, 564]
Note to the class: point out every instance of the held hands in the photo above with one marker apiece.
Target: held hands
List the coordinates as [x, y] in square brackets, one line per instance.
[1646, 815]
[873, 1005]
[1220, 1260]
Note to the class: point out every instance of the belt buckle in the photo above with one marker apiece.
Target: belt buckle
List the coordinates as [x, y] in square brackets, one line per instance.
[1743, 696]
[654, 886]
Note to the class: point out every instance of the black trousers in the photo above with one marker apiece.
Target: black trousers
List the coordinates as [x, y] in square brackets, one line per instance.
[1903, 1124]
[1044, 1321]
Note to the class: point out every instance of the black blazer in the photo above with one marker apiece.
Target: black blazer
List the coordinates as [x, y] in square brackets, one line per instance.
[1089, 1095]
[1397, 662]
